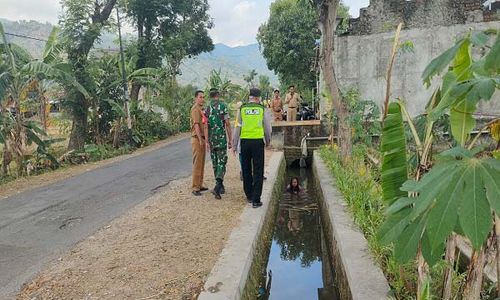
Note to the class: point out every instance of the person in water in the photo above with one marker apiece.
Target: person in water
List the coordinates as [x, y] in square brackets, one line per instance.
[294, 186]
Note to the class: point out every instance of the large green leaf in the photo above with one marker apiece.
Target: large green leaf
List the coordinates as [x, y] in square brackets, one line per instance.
[432, 255]
[474, 208]
[10, 57]
[489, 174]
[52, 48]
[462, 122]
[394, 226]
[394, 163]
[54, 72]
[463, 61]
[443, 216]
[492, 60]
[407, 243]
[438, 64]
[459, 194]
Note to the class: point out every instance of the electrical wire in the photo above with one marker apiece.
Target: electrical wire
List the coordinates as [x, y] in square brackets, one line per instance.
[44, 40]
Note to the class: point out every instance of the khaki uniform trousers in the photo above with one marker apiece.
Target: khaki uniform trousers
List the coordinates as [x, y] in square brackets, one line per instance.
[198, 163]
[291, 114]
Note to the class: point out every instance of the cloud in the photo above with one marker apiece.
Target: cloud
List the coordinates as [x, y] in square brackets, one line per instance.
[236, 21]
[42, 11]
[355, 6]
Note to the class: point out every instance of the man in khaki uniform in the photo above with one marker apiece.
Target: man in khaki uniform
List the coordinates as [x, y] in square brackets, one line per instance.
[292, 100]
[198, 143]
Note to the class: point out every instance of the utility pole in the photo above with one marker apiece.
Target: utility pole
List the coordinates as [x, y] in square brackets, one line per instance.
[124, 74]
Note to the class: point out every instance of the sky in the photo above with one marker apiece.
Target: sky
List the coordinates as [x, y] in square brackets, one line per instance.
[236, 21]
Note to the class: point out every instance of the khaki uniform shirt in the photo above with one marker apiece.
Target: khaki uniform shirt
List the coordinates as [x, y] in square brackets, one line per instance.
[292, 101]
[197, 117]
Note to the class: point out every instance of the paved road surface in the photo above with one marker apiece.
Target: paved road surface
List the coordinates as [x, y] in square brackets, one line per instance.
[37, 226]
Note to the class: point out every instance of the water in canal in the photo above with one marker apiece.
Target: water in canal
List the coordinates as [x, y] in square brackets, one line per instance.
[299, 266]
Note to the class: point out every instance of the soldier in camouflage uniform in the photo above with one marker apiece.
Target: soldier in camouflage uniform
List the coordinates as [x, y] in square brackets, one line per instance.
[219, 133]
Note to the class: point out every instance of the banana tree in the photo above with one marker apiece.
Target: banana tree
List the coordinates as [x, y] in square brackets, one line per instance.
[461, 192]
[18, 72]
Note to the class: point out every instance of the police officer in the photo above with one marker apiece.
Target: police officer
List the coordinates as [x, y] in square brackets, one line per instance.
[218, 132]
[253, 133]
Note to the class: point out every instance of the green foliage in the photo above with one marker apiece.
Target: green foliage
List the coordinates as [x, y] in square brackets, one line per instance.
[101, 152]
[170, 30]
[394, 163]
[288, 40]
[150, 127]
[461, 192]
[463, 201]
[363, 118]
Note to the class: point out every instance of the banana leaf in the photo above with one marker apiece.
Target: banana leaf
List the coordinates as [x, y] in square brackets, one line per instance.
[394, 163]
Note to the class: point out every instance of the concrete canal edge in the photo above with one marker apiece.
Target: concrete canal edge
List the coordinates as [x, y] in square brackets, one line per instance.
[229, 276]
[357, 276]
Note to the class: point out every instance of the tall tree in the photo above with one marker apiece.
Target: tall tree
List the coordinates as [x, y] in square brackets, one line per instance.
[82, 22]
[327, 10]
[288, 42]
[169, 31]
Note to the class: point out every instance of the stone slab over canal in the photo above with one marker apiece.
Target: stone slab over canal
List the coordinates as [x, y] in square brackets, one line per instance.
[358, 277]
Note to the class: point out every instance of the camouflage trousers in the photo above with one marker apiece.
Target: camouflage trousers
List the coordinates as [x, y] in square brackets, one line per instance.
[219, 161]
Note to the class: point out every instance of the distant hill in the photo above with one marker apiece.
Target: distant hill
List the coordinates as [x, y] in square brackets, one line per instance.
[234, 62]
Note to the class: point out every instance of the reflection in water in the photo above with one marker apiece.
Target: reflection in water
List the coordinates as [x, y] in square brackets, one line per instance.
[299, 266]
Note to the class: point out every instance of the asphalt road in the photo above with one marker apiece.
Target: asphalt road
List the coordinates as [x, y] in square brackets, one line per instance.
[39, 225]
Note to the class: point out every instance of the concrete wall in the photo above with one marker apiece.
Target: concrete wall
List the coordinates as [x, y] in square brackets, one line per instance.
[361, 62]
[384, 15]
[357, 275]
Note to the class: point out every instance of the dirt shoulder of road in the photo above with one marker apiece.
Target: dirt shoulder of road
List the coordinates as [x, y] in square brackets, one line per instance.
[28, 183]
[164, 248]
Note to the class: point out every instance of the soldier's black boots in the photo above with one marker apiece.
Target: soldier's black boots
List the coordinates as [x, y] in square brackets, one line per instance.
[217, 189]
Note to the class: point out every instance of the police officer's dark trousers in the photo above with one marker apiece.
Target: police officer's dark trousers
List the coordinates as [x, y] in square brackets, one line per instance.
[252, 156]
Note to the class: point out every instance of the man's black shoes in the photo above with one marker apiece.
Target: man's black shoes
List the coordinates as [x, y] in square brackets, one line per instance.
[256, 204]
[196, 193]
[203, 189]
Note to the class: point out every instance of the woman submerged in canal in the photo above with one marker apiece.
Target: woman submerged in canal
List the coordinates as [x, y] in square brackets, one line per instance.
[294, 186]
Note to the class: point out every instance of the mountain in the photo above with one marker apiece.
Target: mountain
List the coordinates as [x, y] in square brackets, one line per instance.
[235, 62]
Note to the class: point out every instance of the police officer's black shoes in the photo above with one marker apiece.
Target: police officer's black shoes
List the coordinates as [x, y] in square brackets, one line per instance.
[256, 204]
[222, 189]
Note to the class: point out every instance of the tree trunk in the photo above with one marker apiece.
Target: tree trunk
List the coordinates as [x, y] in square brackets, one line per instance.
[78, 130]
[328, 15]
[117, 133]
[78, 57]
[450, 261]
[474, 280]
[134, 92]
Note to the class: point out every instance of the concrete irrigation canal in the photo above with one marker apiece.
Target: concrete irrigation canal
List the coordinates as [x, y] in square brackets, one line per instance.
[303, 247]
